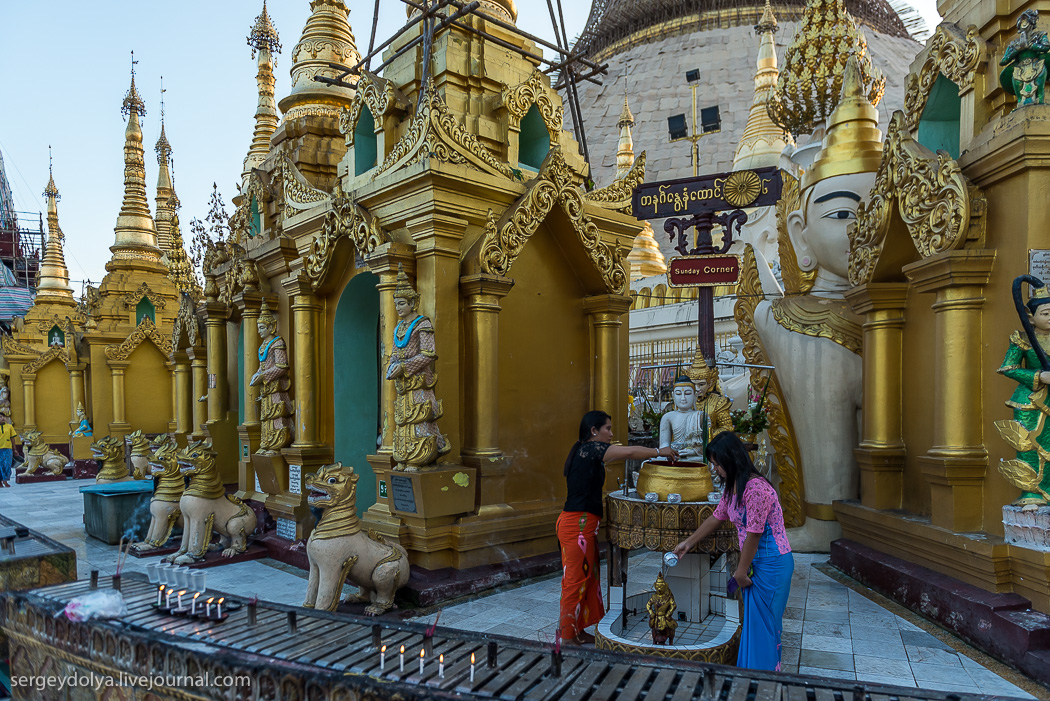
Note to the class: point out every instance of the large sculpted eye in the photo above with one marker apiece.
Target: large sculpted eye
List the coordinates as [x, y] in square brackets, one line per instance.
[840, 214]
[332, 480]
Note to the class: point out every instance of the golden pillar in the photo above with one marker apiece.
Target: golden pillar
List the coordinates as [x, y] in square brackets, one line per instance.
[881, 453]
[76, 393]
[218, 390]
[183, 390]
[605, 313]
[119, 423]
[438, 238]
[199, 372]
[29, 399]
[306, 362]
[248, 432]
[481, 295]
[956, 464]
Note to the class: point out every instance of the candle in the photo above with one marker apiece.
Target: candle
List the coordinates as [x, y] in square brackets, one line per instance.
[160, 595]
[402, 658]
[382, 658]
[194, 610]
[207, 609]
[218, 607]
[472, 668]
[441, 666]
[180, 597]
[167, 598]
[421, 654]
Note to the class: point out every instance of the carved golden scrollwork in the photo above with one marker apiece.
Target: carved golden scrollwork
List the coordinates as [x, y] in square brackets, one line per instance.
[347, 220]
[297, 192]
[145, 330]
[240, 222]
[52, 353]
[187, 323]
[505, 237]
[950, 52]
[935, 201]
[12, 347]
[380, 95]
[781, 430]
[617, 195]
[436, 133]
[131, 299]
[65, 323]
[518, 99]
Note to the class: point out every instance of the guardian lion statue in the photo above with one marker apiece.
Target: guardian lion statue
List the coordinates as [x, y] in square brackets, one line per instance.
[338, 549]
[206, 507]
[164, 507]
[109, 453]
[140, 455]
[39, 453]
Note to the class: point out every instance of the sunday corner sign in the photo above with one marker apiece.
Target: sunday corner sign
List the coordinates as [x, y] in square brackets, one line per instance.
[710, 193]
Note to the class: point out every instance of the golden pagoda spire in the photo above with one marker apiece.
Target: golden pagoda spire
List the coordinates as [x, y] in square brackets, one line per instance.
[164, 184]
[180, 270]
[135, 232]
[763, 141]
[809, 86]
[327, 39]
[265, 42]
[625, 149]
[53, 279]
[646, 258]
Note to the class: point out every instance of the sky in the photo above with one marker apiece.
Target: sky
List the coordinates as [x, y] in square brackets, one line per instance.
[66, 72]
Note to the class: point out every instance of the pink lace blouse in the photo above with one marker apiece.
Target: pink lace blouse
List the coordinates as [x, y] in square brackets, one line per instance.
[761, 505]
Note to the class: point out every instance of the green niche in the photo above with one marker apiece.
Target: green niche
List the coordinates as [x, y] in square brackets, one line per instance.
[56, 336]
[255, 223]
[365, 144]
[534, 141]
[939, 124]
[356, 361]
[145, 309]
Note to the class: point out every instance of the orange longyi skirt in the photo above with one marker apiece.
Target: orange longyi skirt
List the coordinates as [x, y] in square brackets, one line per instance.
[581, 594]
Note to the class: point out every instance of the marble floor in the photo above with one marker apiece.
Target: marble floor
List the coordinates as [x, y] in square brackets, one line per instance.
[833, 627]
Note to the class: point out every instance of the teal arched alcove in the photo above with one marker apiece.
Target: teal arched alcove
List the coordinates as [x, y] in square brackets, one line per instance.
[534, 141]
[56, 337]
[939, 124]
[365, 146]
[355, 391]
[145, 309]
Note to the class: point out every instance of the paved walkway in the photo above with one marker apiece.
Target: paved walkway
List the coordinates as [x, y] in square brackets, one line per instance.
[833, 627]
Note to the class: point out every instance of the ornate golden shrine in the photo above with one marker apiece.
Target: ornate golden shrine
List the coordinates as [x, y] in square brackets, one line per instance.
[521, 271]
[109, 353]
[932, 257]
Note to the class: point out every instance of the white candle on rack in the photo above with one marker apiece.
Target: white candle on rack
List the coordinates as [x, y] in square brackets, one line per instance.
[382, 658]
[402, 658]
[422, 652]
[441, 666]
[160, 595]
[194, 609]
[472, 668]
[218, 607]
[207, 609]
[180, 597]
[167, 597]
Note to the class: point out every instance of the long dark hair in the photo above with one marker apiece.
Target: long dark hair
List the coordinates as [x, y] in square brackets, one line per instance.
[591, 420]
[729, 452]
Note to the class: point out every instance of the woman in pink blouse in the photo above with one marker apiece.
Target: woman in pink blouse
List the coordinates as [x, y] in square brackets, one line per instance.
[766, 563]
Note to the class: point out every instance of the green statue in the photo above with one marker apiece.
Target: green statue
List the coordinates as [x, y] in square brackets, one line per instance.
[1025, 61]
[1026, 364]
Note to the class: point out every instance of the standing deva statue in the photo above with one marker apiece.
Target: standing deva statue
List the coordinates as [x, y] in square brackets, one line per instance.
[417, 440]
[1026, 364]
[1025, 59]
[275, 402]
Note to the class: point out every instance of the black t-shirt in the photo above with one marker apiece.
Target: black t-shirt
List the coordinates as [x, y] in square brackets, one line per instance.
[586, 479]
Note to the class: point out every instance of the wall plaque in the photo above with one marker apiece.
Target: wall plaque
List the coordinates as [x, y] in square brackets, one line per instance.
[286, 528]
[295, 479]
[1039, 263]
[403, 494]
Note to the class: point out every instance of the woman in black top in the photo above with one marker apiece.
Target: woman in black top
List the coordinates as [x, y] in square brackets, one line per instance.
[581, 597]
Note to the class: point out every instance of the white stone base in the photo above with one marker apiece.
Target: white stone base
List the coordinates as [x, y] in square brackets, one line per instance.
[1027, 529]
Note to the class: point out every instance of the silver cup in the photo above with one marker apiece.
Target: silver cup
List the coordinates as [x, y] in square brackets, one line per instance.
[674, 498]
[652, 496]
[670, 559]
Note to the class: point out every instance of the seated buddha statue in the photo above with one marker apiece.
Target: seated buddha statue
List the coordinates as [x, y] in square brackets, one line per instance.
[700, 413]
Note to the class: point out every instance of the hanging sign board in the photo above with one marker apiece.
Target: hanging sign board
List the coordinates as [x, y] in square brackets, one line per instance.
[709, 193]
[703, 271]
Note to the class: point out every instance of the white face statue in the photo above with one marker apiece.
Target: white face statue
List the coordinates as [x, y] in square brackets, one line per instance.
[820, 236]
[684, 397]
[1041, 318]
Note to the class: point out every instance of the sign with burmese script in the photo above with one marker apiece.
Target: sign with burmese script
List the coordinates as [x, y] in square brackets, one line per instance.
[708, 193]
[702, 271]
